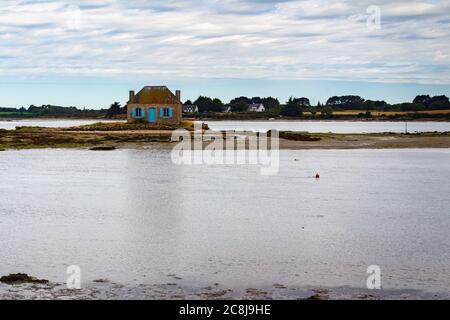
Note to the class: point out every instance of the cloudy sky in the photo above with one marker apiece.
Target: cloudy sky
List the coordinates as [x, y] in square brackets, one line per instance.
[92, 52]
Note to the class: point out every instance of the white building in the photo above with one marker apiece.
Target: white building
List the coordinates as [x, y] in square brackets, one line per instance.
[190, 108]
[256, 107]
[227, 109]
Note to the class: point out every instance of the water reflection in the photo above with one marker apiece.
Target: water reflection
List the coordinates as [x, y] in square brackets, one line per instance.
[331, 126]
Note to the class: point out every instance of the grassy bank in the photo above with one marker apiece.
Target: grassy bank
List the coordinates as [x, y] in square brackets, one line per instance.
[35, 138]
[88, 136]
[124, 126]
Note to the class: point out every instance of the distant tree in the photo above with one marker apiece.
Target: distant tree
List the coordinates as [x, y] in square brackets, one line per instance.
[423, 103]
[217, 105]
[408, 107]
[326, 112]
[256, 100]
[423, 99]
[346, 102]
[240, 104]
[241, 99]
[292, 108]
[206, 104]
[188, 103]
[114, 110]
[270, 103]
[375, 105]
[439, 102]
[59, 111]
[312, 110]
[302, 102]
[35, 110]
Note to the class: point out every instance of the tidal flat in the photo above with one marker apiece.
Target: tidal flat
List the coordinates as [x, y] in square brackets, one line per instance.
[107, 290]
[136, 137]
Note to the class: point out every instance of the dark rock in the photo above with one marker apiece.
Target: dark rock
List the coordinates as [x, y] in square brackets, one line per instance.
[315, 297]
[298, 136]
[21, 278]
[103, 148]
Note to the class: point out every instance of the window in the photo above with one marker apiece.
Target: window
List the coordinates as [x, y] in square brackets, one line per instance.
[166, 113]
[138, 112]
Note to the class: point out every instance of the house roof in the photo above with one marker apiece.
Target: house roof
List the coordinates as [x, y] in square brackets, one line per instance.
[190, 106]
[155, 94]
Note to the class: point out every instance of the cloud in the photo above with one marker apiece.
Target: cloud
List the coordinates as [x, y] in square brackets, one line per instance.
[315, 39]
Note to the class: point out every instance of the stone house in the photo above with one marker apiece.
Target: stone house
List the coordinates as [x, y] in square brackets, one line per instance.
[155, 105]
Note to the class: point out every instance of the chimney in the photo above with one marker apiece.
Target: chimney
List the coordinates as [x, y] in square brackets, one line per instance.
[178, 94]
[131, 95]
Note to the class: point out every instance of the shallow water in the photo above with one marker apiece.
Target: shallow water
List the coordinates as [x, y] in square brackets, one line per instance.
[331, 126]
[264, 126]
[132, 216]
[48, 123]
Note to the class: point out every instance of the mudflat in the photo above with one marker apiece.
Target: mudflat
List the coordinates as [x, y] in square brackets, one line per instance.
[34, 138]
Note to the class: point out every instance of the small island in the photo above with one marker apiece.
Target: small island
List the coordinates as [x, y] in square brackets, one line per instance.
[137, 135]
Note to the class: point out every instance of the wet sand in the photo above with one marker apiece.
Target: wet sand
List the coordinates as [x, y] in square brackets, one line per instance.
[370, 141]
[107, 290]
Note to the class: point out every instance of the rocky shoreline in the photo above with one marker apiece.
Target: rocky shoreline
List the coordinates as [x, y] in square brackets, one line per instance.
[108, 290]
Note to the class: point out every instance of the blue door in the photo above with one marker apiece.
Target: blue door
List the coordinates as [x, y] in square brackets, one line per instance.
[152, 115]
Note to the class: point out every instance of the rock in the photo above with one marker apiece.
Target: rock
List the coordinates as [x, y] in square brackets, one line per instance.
[21, 278]
[101, 281]
[215, 294]
[103, 148]
[315, 297]
[298, 136]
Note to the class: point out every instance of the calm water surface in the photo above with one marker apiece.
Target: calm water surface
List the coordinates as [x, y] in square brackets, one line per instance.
[331, 126]
[132, 216]
[48, 123]
[264, 126]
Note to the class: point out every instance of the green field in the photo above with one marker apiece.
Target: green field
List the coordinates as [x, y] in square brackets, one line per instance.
[15, 114]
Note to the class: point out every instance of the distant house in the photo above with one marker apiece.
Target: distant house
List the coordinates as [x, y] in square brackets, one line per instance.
[256, 107]
[192, 108]
[155, 104]
[227, 109]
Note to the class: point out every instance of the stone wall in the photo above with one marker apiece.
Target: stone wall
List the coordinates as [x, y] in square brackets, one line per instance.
[176, 113]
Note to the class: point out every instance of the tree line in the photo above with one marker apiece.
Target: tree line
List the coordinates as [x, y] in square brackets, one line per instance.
[294, 107]
[297, 106]
[59, 111]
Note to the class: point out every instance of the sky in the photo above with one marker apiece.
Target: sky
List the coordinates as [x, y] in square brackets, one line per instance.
[91, 53]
